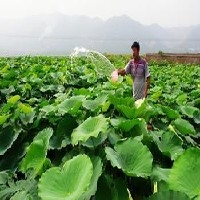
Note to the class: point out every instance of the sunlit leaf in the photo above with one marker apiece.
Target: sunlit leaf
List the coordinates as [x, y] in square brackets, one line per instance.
[188, 110]
[14, 99]
[128, 112]
[160, 174]
[91, 127]
[96, 103]
[184, 127]
[37, 151]
[185, 173]
[97, 171]
[25, 108]
[71, 105]
[69, 182]
[172, 114]
[132, 157]
[3, 119]
[124, 124]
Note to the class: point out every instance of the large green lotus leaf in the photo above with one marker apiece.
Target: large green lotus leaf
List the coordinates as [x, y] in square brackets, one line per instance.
[62, 135]
[36, 152]
[82, 91]
[149, 112]
[25, 108]
[14, 155]
[3, 119]
[169, 144]
[140, 129]
[49, 109]
[128, 101]
[92, 105]
[133, 127]
[185, 173]
[188, 110]
[111, 189]
[181, 99]
[113, 136]
[171, 114]
[93, 142]
[27, 118]
[4, 177]
[8, 90]
[54, 87]
[132, 157]
[67, 183]
[128, 112]
[7, 137]
[96, 103]
[195, 93]
[156, 95]
[14, 99]
[160, 174]
[168, 195]
[71, 105]
[143, 109]
[97, 171]
[184, 127]
[91, 127]
[197, 117]
[197, 102]
[105, 106]
[124, 124]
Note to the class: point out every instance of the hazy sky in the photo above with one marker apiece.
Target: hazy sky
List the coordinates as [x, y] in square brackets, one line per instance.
[164, 12]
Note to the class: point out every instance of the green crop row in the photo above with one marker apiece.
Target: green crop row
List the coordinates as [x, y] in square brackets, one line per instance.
[69, 133]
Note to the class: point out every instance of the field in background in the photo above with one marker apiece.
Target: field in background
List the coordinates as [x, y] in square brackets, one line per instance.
[159, 58]
[173, 58]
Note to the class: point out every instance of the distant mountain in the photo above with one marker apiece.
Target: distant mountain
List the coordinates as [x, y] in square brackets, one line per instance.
[56, 34]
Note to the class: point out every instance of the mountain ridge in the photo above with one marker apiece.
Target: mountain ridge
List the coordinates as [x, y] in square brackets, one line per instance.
[113, 35]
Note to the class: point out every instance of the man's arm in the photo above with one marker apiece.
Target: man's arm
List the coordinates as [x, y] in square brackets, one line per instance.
[121, 72]
[126, 70]
[147, 85]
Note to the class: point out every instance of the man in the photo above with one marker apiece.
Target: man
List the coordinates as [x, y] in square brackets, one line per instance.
[139, 71]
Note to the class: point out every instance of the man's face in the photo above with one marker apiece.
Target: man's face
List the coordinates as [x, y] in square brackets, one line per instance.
[135, 52]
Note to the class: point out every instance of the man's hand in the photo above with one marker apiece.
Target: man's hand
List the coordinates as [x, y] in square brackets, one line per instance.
[122, 72]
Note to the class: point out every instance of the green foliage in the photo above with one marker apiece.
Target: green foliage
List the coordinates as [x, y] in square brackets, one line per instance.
[7, 137]
[17, 190]
[184, 127]
[169, 143]
[111, 189]
[132, 157]
[68, 132]
[169, 195]
[91, 127]
[185, 173]
[69, 182]
[97, 171]
[36, 152]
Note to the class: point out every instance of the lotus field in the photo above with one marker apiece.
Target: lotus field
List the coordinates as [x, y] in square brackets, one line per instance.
[67, 132]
